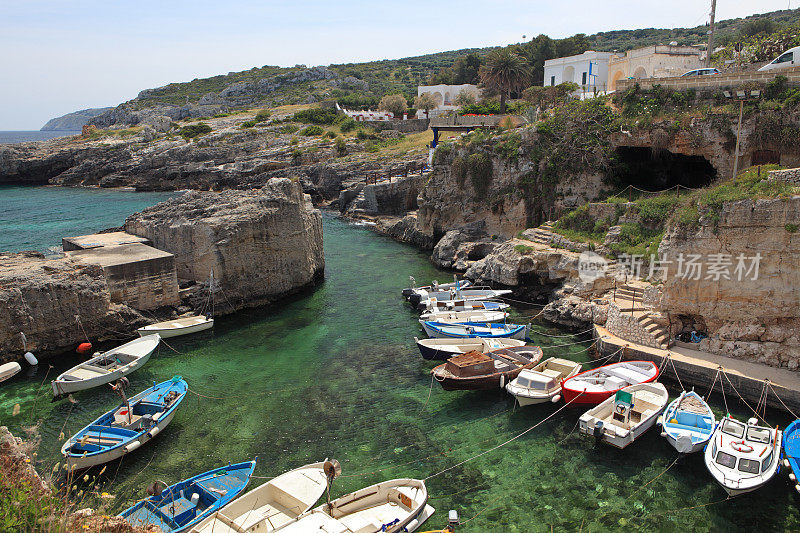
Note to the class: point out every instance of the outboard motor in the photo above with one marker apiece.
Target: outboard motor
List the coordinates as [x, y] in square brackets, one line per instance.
[598, 430]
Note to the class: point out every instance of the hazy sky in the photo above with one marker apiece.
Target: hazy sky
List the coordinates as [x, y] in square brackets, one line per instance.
[58, 56]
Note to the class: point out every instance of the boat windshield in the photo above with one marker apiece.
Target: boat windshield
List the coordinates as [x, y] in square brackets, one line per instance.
[733, 427]
[726, 459]
[750, 466]
[767, 462]
[758, 434]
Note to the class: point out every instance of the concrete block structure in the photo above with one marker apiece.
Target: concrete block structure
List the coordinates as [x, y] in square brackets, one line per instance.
[589, 70]
[657, 61]
[138, 275]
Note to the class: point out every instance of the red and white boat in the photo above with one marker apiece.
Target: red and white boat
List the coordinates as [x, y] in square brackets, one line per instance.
[594, 386]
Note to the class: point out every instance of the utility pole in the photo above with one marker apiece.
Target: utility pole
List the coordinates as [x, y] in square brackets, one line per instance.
[711, 33]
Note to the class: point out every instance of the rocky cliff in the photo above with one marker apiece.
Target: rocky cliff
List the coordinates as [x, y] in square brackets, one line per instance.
[73, 121]
[261, 244]
[744, 287]
[57, 304]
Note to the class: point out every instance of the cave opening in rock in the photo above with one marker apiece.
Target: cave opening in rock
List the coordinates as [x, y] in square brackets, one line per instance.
[657, 170]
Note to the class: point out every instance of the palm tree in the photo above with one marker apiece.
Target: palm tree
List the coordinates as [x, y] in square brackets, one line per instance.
[505, 71]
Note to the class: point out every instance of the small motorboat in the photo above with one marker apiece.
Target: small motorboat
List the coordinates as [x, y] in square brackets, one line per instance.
[594, 386]
[470, 330]
[464, 305]
[180, 326]
[178, 507]
[620, 420]
[485, 371]
[271, 506]
[464, 316]
[743, 456]
[435, 286]
[688, 422]
[444, 349]
[391, 506]
[422, 298]
[106, 367]
[126, 428]
[542, 383]
[791, 452]
[9, 370]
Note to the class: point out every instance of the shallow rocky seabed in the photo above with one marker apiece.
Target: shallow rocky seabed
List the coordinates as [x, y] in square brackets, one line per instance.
[335, 373]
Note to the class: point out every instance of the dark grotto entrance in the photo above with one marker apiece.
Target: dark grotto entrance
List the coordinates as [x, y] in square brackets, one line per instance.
[655, 171]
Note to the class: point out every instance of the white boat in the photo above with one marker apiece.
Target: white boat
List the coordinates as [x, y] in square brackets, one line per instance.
[422, 298]
[542, 383]
[623, 418]
[463, 330]
[392, 506]
[464, 305]
[443, 349]
[464, 316]
[687, 423]
[106, 367]
[271, 506]
[178, 326]
[743, 457]
[9, 370]
[435, 286]
[594, 386]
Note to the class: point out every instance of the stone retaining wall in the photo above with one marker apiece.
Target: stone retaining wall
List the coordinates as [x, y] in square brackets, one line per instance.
[716, 81]
[792, 175]
[626, 326]
[412, 125]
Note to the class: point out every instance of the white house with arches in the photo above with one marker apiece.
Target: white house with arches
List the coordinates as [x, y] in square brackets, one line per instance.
[657, 61]
[589, 70]
[445, 96]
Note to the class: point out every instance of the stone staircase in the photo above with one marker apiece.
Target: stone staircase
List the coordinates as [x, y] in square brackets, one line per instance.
[628, 298]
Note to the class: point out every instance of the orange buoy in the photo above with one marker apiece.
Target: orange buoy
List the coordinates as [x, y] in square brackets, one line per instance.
[84, 347]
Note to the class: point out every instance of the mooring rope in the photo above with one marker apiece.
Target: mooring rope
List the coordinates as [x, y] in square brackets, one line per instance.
[743, 400]
[551, 415]
[781, 401]
[567, 335]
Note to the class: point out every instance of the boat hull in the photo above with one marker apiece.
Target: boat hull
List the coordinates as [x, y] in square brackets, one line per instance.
[444, 351]
[495, 381]
[579, 396]
[518, 333]
[166, 333]
[9, 370]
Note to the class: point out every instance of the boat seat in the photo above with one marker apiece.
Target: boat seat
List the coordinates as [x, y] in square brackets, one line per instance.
[673, 425]
[361, 524]
[273, 514]
[551, 373]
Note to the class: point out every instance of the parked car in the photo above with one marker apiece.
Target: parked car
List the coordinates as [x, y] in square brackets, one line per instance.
[790, 58]
[701, 72]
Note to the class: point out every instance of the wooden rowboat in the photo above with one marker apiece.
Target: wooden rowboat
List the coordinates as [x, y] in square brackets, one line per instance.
[180, 326]
[444, 349]
[595, 386]
[486, 371]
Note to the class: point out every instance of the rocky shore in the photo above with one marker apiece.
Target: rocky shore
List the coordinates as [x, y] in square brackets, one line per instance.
[262, 244]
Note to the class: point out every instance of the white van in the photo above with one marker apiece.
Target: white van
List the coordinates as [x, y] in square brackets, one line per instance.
[790, 58]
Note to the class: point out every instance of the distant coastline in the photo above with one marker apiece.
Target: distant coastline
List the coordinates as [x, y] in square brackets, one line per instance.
[11, 137]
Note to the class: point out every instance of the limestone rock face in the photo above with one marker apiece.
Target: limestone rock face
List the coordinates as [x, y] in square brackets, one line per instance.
[755, 317]
[73, 121]
[406, 230]
[261, 244]
[53, 302]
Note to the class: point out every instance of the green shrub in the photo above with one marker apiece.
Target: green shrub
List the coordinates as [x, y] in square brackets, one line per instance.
[297, 157]
[316, 115]
[442, 152]
[347, 124]
[509, 147]
[248, 124]
[311, 131]
[341, 146]
[263, 115]
[523, 249]
[364, 134]
[480, 172]
[194, 130]
[289, 128]
[791, 228]
[331, 134]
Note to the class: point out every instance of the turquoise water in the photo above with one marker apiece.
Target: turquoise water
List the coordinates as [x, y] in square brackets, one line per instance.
[36, 218]
[334, 372]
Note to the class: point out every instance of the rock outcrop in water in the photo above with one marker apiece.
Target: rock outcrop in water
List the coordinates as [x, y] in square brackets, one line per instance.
[261, 244]
[57, 304]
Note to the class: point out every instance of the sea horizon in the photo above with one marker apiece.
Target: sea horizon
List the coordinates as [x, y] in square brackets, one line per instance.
[21, 136]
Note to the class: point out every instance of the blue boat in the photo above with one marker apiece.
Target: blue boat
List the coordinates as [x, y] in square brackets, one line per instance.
[688, 423]
[184, 504]
[473, 330]
[125, 428]
[791, 451]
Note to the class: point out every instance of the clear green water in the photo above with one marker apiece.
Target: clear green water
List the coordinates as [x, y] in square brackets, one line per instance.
[335, 373]
[36, 218]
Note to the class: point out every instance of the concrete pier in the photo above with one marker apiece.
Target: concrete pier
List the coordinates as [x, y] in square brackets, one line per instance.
[699, 368]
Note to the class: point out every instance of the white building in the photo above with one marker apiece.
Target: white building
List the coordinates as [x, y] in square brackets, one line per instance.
[589, 70]
[657, 61]
[445, 96]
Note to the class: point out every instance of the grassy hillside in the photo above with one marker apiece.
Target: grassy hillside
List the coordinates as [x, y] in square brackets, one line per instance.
[403, 75]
